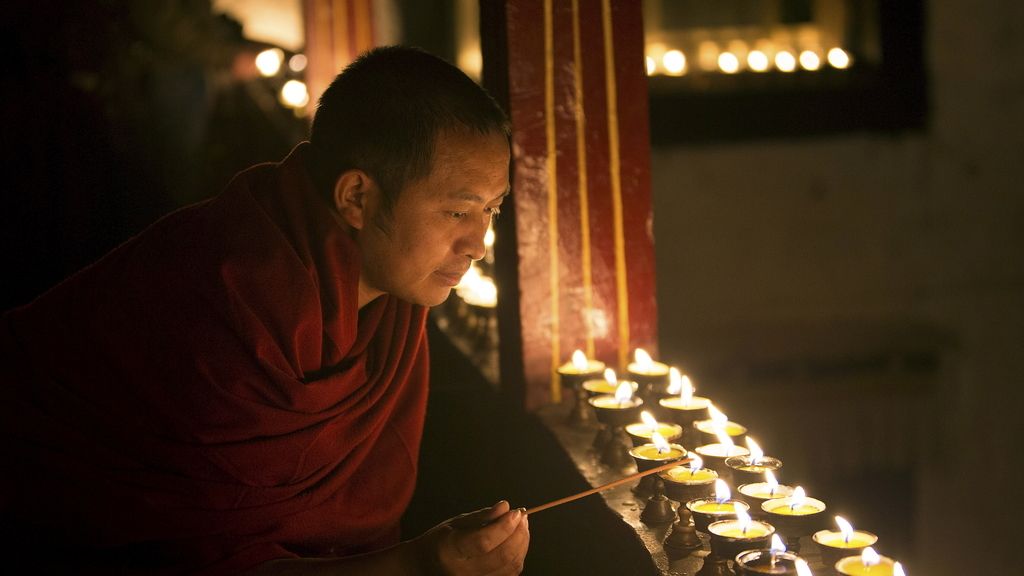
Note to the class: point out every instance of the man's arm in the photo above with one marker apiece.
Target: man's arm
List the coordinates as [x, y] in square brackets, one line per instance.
[490, 541]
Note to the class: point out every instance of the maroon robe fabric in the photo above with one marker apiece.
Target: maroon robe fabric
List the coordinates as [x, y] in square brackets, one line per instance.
[209, 396]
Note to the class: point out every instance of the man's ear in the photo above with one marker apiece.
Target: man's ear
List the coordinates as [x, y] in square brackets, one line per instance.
[352, 192]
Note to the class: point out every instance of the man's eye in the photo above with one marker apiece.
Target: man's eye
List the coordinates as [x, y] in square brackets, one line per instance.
[457, 215]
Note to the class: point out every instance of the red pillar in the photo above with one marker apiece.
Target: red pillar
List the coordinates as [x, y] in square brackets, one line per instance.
[336, 32]
[576, 257]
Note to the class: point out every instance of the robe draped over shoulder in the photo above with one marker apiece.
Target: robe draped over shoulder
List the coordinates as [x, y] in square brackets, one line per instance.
[209, 396]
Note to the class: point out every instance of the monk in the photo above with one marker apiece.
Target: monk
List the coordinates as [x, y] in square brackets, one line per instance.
[241, 388]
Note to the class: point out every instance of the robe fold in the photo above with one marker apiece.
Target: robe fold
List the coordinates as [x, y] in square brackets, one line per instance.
[209, 396]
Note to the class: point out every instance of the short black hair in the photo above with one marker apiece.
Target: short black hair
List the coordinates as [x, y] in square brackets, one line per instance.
[384, 112]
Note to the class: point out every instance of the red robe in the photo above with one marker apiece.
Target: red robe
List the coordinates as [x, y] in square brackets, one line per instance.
[209, 396]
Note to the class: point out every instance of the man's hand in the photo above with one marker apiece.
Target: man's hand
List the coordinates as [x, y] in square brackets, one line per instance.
[490, 541]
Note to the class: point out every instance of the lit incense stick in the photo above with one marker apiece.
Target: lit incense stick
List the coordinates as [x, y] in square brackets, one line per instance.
[604, 487]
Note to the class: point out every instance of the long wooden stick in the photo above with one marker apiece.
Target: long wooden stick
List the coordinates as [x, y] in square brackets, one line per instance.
[604, 487]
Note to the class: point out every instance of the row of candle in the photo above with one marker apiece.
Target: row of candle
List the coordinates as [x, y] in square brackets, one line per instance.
[733, 531]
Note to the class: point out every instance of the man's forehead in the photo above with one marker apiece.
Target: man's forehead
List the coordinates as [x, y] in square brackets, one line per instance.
[470, 196]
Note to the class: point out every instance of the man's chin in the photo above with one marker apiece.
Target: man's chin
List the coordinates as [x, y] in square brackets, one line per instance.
[428, 300]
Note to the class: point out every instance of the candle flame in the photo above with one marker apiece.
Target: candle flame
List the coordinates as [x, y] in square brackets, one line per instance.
[696, 462]
[742, 516]
[845, 527]
[755, 451]
[769, 478]
[624, 392]
[642, 358]
[686, 390]
[722, 492]
[802, 569]
[610, 377]
[489, 237]
[897, 570]
[579, 360]
[675, 381]
[718, 418]
[725, 440]
[797, 499]
[649, 420]
[660, 443]
[777, 546]
[799, 494]
[869, 557]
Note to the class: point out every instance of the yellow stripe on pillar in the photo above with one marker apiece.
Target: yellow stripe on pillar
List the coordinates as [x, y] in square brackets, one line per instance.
[552, 186]
[614, 167]
[581, 169]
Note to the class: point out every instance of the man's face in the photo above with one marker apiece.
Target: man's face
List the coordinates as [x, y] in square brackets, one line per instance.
[437, 226]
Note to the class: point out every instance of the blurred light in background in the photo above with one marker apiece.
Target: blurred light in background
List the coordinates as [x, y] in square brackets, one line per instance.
[785, 61]
[838, 58]
[268, 62]
[294, 94]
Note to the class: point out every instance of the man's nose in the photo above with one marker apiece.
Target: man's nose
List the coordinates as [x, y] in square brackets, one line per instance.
[473, 242]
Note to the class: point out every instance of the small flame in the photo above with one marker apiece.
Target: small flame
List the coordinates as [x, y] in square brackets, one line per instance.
[742, 516]
[897, 570]
[773, 484]
[777, 546]
[869, 557]
[718, 418]
[624, 392]
[489, 237]
[725, 440]
[722, 492]
[686, 390]
[675, 381]
[802, 569]
[696, 462]
[611, 377]
[755, 451]
[579, 360]
[797, 499]
[643, 359]
[799, 495]
[649, 420]
[845, 527]
[660, 443]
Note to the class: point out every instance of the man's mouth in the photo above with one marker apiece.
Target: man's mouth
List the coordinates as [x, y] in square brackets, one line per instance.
[451, 278]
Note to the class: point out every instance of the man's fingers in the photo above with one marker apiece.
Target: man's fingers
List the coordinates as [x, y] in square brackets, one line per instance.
[510, 555]
[478, 518]
[485, 539]
[512, 552]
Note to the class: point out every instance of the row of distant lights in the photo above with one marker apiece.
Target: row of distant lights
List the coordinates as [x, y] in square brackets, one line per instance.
[294, 93]
[674, 63]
